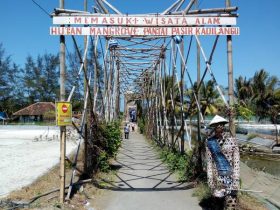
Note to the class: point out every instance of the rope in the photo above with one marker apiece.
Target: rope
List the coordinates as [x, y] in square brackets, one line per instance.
[45, 11]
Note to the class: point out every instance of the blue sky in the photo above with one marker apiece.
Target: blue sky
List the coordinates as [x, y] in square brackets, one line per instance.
[25, 31]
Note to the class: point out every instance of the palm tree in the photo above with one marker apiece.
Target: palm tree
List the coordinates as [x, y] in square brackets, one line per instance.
[210, 102]
[167, 81]
[209, 96]
[243, 90]
[244, 94]
[264, 93]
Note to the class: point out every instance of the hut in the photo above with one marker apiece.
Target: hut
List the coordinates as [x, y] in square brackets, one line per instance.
[38, 112]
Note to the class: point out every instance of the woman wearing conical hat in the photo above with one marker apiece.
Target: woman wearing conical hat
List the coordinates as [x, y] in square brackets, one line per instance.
[223, 168]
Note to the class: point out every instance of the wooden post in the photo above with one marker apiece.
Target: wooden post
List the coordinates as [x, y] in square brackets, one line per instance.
[230, 78]
[199, 149]
[62, 128]
[85, 91]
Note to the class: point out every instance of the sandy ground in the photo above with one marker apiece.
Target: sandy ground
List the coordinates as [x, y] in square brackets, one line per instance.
[27, 152]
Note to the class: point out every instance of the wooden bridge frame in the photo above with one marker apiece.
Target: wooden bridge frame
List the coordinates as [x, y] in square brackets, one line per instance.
[128, 67]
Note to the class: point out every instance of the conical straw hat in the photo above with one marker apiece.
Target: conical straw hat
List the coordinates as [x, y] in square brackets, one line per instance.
[218, 120]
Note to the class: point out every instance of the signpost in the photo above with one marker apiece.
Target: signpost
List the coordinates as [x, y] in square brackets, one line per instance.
[158, 20]
[63, 113]
[144, 31]
[152, 25]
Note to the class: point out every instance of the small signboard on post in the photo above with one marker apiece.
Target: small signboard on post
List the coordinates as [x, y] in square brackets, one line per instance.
[63, 113]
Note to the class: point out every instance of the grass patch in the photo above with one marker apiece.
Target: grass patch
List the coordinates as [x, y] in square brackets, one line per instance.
[248, 202]
[202, 191]
[207, 201]
[251, 136]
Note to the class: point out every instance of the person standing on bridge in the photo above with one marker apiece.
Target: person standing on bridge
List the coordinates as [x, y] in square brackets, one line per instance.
[223, 168]
[126, 131]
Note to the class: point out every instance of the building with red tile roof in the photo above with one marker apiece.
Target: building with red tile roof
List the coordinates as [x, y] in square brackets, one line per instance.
[36, 112]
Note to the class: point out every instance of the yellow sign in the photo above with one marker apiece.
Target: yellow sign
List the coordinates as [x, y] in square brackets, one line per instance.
[63, 113]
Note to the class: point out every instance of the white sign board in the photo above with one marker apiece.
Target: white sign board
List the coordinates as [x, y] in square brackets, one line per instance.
[122, 20]
[144, 31]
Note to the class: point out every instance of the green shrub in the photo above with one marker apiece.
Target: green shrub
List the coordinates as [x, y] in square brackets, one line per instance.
[103, 162]
[244, 112]
[141, 125]
[178, 163]
[112, 137]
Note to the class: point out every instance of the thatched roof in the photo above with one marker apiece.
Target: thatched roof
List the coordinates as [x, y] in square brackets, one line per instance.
[39, 108]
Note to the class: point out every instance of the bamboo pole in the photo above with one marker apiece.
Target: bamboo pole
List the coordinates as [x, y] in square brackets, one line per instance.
[102, 6]
[171, 7]
[83, 124]
[83, 68]
[85, 93]
[163, 92]
[208, 11]
[105, 78]
[117, 106]
[198, 82]
[62, 128]
[211, 73]
[160, 102]
[179, 5]
[95, 74]
[163, 83]
[139, 49]
[182, 99]
[199, 147]
[58, 11]
[155, 108]
[230, 78]
[213, 11]
[187, 9]
[172, 92]
[112, 7]
[209, 60]
[109, 86]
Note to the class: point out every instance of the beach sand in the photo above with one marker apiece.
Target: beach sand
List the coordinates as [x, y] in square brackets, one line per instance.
[27, 152]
